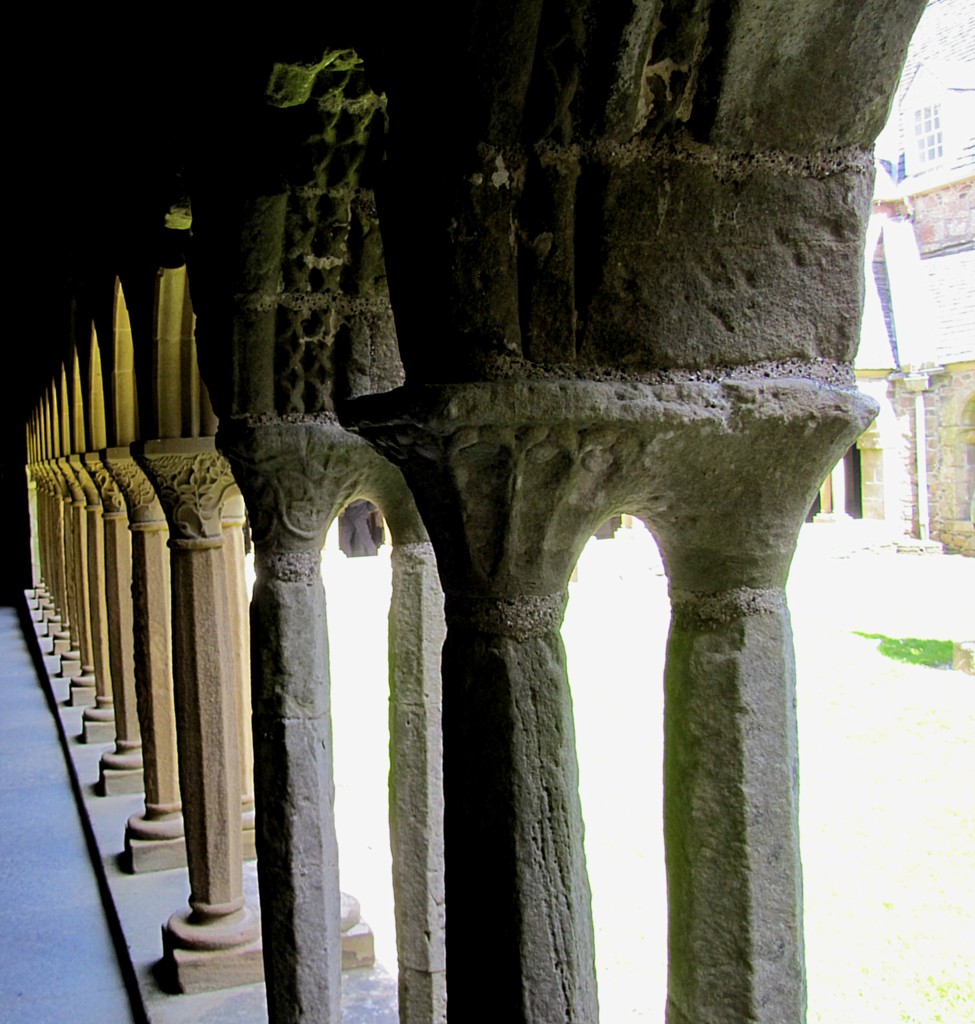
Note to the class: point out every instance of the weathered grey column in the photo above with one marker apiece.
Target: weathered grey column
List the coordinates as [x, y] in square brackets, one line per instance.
[508, 508]
[153, 839]
[232, 523]
[121, 769]
[295, 478]
[98, 721]
[216, 944]
[731, 754]
[416, 636]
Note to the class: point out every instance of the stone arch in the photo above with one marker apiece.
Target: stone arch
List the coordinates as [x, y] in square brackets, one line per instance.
[415, 789]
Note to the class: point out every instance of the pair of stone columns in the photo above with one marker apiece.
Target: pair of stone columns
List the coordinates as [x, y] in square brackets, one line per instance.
[511, 478]
[296, 476]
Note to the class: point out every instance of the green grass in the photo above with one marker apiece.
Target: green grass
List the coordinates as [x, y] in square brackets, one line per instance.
[912, 650]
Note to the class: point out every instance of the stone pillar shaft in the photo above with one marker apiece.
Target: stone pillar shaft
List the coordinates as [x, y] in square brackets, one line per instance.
[122, 769]
[83, 690]
[295, 478]
[416, 636]
[206, 725]
[232, 522]
[216, 944]
[99, 720]
[731, 811]
[153, 839]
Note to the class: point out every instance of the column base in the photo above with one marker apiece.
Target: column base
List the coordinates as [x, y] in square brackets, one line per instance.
[358, 942]
[120, 774]
[62, 644]
[83, 693]
[98, 724]
[219, 954]
[154, 844]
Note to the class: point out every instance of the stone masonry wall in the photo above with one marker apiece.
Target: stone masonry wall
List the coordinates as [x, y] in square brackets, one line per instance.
[945, 218]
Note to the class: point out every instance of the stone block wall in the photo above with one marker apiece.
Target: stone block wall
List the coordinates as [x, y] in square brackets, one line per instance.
[945, 217]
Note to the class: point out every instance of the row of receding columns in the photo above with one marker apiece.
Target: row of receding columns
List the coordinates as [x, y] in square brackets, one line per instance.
[147, 674]
[172, 686]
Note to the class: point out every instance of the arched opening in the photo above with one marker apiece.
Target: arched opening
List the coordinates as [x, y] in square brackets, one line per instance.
[615, 635]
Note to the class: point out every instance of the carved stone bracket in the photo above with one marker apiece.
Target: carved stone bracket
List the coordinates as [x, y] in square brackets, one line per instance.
[509, 505]
[135, 487]
[84, 480]
[191, 479]
[109, 492]
[296, 477]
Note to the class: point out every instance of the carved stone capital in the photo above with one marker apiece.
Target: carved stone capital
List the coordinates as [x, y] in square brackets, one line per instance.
[84, 480]
[191, 482]
[109, 492]
[70, 478]
[722, 471]
[135, 487]
[295, 478]
[41, 472]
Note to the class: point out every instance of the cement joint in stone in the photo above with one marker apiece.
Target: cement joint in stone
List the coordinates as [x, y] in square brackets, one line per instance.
[725, 605]
[520, 618]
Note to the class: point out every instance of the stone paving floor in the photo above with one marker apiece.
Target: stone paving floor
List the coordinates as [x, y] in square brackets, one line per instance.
[57, 958]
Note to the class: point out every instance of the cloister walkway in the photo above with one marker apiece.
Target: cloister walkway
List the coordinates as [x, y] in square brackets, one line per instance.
[57, 957]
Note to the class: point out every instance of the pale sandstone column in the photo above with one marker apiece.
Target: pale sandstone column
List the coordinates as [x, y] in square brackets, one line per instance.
[121, 769]
[98, 721]
[153, 839]
[216, 944]
[74, 665]
[232, 521]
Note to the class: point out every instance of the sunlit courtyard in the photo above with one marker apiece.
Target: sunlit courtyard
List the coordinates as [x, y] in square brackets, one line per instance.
[887, 747]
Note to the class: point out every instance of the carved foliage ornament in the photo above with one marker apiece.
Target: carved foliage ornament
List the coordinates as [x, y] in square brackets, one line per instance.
[135, 487]
[191, 489]
[112, 500]
[295, 480]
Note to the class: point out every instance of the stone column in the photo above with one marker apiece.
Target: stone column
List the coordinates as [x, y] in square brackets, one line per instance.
[731, 755]
[509, 505]
[295, 478]
[98, 721]
[47, 505]
[121, 769]
[60, 631]
[216, 944]
[232, 523]
[416, 636]
[153, 839]
[74, 663]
